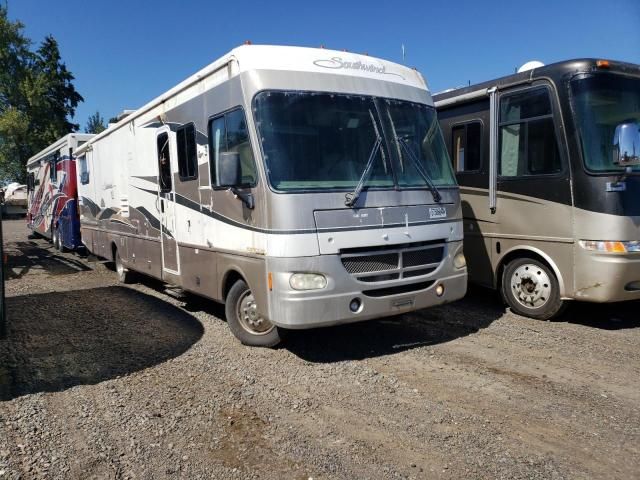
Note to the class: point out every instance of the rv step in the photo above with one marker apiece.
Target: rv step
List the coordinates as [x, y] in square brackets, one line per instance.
[175, 292]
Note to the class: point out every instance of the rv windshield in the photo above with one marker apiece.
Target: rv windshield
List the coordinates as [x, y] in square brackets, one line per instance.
[323, 141]
[601, 103]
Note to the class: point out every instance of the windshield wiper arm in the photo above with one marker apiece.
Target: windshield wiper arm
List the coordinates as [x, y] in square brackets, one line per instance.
[352, 197]
[416, 163]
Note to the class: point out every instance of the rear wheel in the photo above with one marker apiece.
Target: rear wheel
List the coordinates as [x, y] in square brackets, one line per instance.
[531, 289]
[57, 241]
[244, 320]
[124, 274]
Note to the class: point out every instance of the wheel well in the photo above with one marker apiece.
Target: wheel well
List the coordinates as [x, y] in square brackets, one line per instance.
[231, 277]
[519, 254]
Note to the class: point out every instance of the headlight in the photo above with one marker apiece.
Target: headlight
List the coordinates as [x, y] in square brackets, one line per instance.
[459, 261]
[610, 246]
[307, 281]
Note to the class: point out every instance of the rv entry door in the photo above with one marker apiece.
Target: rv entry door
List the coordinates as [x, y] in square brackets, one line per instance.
[165, 202]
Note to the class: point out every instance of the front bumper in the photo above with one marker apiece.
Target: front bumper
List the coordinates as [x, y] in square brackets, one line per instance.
[293, 309]
[606, 277]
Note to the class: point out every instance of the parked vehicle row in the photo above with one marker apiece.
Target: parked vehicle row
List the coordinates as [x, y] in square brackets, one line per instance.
[310, 187]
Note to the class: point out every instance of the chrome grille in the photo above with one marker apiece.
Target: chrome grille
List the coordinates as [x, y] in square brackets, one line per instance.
[371, 263]
[380, 264]
[415, 258]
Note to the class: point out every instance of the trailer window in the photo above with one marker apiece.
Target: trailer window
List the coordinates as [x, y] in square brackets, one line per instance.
[30, 182]
[229, 133]
[164, 163]
[84, 170]
[187, 154]
[53, 167]
[466, 148]
[527, 138]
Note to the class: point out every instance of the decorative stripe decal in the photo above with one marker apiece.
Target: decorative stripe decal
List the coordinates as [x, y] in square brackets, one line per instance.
[190, 204]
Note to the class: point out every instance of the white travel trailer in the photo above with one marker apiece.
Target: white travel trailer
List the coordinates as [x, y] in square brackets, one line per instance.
[302, 187]
[15, 200]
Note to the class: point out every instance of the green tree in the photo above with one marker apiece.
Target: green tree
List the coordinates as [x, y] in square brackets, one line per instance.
[14, 123]
[37, 97]
[95, 124]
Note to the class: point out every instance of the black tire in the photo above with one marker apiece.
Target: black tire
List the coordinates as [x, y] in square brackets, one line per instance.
[531, 289]
[250, 330]
[124, 274]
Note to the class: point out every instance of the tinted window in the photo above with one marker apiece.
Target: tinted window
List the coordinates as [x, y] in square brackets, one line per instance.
[229, 133]
[527, 138]
[53, 167]
[466, 146]
[601, 103]
[84, 170]
[420, 145]
[320, 141]
[164, 163]
[187, 154]
[528, 104]
[238, 141]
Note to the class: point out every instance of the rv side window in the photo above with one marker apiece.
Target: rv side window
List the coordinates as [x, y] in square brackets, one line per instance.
[84, 170]
[53, 167]
[466, 148]
[187, 154]
[30, 182]
[164, 163]
[527, 136]
[229, 133]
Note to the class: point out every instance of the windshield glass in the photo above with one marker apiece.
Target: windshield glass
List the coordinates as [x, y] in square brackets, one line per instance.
[419, 144]
[601, 103]
[319, 141]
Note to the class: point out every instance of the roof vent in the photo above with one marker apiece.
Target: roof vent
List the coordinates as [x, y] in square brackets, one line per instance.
[530, 66]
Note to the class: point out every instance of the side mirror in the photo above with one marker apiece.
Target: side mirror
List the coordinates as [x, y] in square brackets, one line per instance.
[230, 175]
[228, 168]
[626, 144]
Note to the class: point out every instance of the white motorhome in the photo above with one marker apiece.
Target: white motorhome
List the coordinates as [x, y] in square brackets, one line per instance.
[302, 187]
[52, 192]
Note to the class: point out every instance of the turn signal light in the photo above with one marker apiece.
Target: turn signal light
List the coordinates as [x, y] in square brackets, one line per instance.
[602, 64]
[611, 246]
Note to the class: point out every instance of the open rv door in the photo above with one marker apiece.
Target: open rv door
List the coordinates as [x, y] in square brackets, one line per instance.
[165, 203]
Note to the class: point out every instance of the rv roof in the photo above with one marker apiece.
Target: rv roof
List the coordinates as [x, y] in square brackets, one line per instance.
[555, 71]
[57, 144]
[301, 59]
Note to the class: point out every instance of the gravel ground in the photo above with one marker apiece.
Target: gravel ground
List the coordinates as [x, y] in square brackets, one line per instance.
[99, 380]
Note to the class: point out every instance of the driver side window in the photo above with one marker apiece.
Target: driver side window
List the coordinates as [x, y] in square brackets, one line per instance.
[527, 138]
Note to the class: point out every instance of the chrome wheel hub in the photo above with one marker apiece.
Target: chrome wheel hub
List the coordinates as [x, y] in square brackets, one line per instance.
[531, 286]
[119, 266]
[250, 318]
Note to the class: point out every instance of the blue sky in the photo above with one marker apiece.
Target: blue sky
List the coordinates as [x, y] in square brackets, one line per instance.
[124, 53]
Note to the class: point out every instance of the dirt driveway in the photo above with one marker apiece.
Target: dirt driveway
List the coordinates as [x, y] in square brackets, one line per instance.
[99, 380]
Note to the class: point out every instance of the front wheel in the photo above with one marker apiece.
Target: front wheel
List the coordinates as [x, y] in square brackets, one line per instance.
[124, 274]
[531, 289]
[244, 320]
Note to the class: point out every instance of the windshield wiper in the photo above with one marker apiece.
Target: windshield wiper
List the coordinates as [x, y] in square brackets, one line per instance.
[352, 197]
[416, 163]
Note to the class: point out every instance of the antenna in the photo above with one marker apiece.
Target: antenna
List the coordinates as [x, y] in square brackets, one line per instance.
[403, 52]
